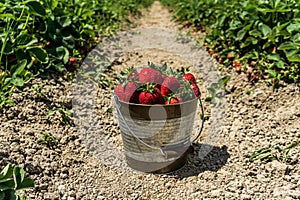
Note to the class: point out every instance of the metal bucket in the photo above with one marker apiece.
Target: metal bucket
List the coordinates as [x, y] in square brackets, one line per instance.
[156, 137]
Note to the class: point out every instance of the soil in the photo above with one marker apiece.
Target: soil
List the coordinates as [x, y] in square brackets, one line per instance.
[255, 116]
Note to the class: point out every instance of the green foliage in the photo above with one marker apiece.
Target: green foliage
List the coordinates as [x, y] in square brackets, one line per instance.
[275, 152]
[263, 32]
[66, 115]
[41, 36]
[47, 139]
[38, 89]
[215, 92]
[12, 179]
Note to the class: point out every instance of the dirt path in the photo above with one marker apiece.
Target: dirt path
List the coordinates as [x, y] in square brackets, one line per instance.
[254, 119]
[157, 16]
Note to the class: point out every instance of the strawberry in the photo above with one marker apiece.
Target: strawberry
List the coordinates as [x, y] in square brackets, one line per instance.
[196, 89]
[72, 60]
[150, 75]
[189, 77]
[146, 98]
[119, 91]
[158, 87]
[170, 85]
[131, 93]
[173, 100]
[165, 91]
[158, 98]
[151, 95]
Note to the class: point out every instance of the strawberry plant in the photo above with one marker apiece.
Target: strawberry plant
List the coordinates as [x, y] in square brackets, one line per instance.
[12, 179]
[38, 37]
[261, 36]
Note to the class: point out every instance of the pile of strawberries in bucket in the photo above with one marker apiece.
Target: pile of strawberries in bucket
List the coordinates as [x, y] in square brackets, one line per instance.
[156, 85]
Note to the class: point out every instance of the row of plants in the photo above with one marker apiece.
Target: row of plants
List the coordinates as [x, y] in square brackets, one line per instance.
[259, 37]
[42, 36]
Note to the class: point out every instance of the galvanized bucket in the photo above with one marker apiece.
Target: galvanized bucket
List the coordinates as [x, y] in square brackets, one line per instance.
[156, 137]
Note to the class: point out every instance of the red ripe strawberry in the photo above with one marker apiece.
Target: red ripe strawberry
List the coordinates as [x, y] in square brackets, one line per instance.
[170, 85]
[131, 94]
[119, 91]
[196, 89]
[72, 60]
[146, 98]
[158, 98]
[135, 97]
[157, 87]
[237, 66]
[173, 100]
[151, 95]
[189, 77]
[11, 58]
[165, 91]
[150, 75]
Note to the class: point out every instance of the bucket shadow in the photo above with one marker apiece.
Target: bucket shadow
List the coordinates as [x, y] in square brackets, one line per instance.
[203, 158]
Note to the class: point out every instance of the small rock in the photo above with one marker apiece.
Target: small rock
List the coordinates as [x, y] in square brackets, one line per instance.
[245, 196]
[295, 194]
[61, 188]
[72, 193]
[63, 176]
[276, 166]
[215, 193]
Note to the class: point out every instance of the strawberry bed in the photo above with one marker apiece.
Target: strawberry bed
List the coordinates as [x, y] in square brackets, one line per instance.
[255, 36]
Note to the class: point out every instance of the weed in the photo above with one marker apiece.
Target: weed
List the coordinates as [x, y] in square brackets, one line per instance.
[214, 90]
[47, 139]
[275, 152]
[65, 114]
[38, 89]
[249, 91]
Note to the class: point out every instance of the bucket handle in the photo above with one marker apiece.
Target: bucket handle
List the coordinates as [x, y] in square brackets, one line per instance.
[202, 119]
[118, 105]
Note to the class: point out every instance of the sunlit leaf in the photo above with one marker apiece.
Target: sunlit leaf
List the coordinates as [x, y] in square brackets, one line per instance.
[40, 54]
[287, 46]
[294, 58]
[265, 29]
